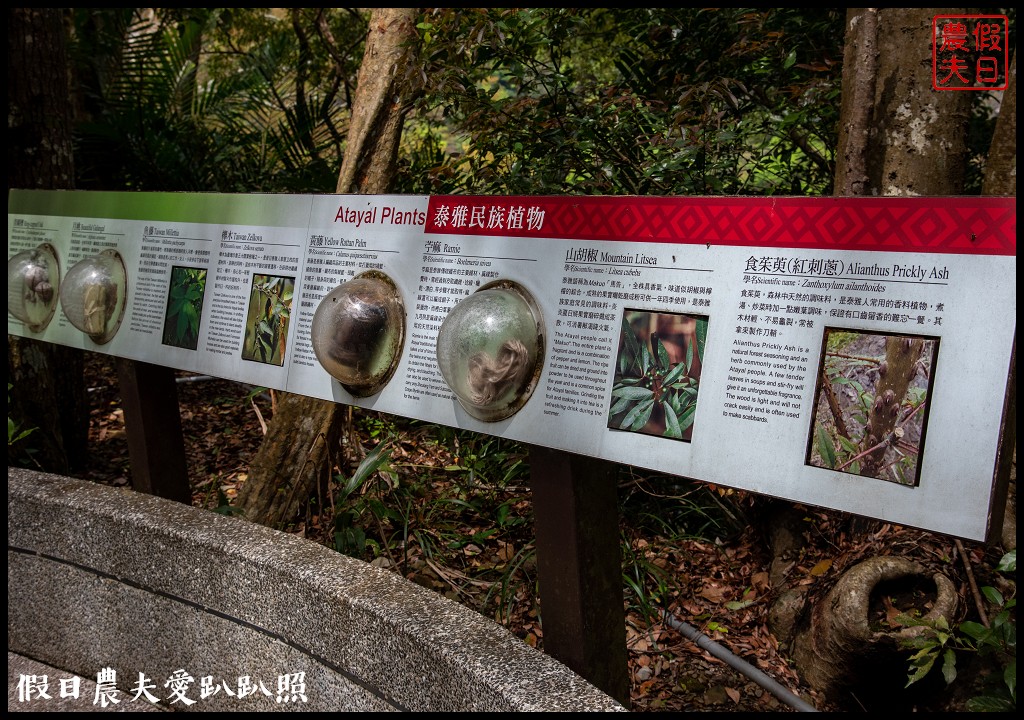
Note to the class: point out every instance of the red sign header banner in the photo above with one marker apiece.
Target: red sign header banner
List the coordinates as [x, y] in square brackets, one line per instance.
[951, 225]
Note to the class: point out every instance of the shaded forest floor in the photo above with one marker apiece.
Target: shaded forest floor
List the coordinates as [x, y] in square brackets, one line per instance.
[452, 511]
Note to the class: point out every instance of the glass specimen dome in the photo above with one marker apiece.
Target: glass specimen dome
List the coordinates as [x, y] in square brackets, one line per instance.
[93, 294]
[490, 350]
[33, 278]
[358, 331]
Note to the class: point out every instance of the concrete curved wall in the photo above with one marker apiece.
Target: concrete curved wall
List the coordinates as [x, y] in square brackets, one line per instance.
[101, 577]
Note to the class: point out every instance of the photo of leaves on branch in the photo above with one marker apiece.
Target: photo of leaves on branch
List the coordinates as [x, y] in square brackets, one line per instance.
[872, 404]
[657, 373]
[266, 328]
[184, 307]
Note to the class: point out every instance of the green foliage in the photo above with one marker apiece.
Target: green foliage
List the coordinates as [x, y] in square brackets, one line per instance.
[462, 526]
[483, 461]
[378, 426]
[666, 512]
[648, 586]
[631, 100]
[941, 645]
[351, 504]
[224, 506]
[266, 330]
[213, 99]
[647, 101]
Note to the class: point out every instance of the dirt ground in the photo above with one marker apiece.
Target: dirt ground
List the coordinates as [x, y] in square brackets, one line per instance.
[718, 586]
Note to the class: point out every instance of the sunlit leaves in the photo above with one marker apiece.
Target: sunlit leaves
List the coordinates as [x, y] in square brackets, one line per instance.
[632, 100]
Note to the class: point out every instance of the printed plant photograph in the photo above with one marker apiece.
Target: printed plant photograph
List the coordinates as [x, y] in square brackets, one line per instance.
[266, 326]
[184, 307]
[657, 373]
[871, 406]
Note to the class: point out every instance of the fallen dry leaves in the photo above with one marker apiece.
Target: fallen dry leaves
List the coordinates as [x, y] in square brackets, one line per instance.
[721, 587]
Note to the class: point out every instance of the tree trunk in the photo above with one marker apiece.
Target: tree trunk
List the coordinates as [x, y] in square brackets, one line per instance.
[897, 137]
[1001, 179]
[860, 71]
[1001, 163]
[386, 84]
[917, 139]
[49, 391]
[296, 453]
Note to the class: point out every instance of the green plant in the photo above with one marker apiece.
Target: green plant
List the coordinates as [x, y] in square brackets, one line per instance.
[675, 510]
[15, 430]
[514, 574]
[266, 330]
[351, 504]
[376, 424]
[449, 508]
[17, 452]
[224, 506]
[610, 101]
[997, 640]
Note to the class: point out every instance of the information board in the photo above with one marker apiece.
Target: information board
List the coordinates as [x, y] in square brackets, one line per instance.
[854, 354]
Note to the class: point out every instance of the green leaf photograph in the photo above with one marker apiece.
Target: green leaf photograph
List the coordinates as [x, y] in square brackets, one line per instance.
[657, 373]
[184, 307]
[266, 329]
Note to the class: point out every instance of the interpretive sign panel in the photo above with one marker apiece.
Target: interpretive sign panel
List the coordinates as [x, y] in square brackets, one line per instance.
[854, 354]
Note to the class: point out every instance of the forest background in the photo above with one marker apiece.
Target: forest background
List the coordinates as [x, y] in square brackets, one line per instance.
[651, 101]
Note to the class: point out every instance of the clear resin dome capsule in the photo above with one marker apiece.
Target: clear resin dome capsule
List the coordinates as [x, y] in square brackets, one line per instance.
[33, 279]
[93, 295]
[358, 331]
[490, 350]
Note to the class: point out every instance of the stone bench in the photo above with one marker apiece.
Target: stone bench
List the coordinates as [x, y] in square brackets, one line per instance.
[102, 577]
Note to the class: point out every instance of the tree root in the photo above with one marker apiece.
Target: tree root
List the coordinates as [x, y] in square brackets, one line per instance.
[842, 648]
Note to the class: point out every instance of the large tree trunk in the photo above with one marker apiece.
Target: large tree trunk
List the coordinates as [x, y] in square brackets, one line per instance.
[48, 392]
[917, 141]
[1001, 179]
[296, 453]
[1001, 163]
[897, 137]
